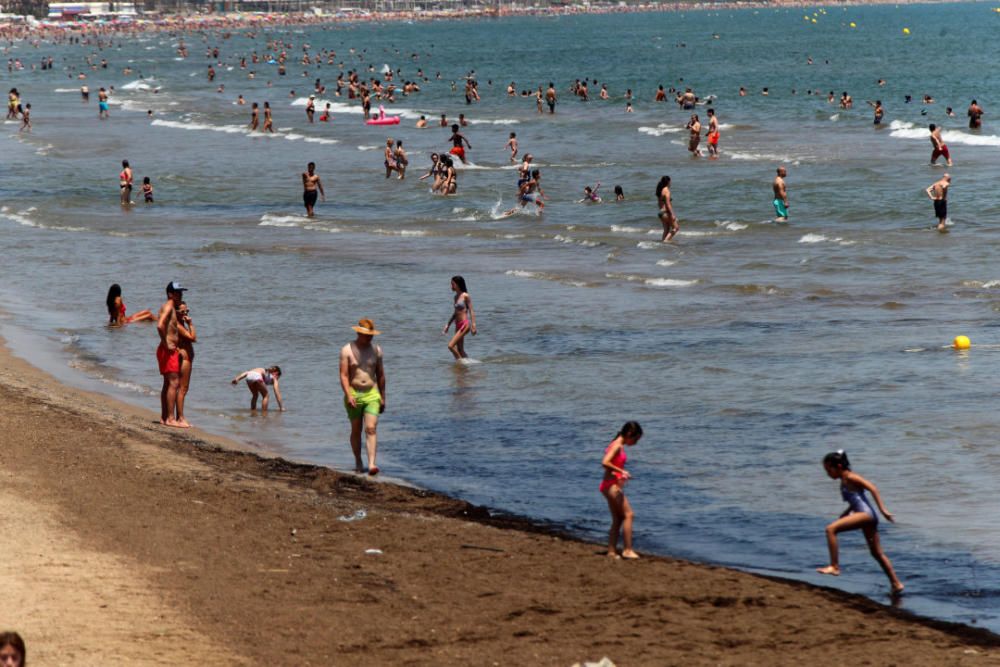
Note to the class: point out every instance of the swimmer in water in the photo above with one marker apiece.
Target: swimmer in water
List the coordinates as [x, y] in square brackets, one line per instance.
[258, 380]
[613, 489]
[590, 195]
[254, 117]
[713, 135]
[512, 145]
[667, 217]
[116, 309]
[268, 121]
[975, 114]
[780, 195]
[879, 112]
[940, 149]
[938, 192]
[530, 191]
[463, 316]
[125, 183]
[619, 193]
[147, 190]
[859, 515]
[457, 139]
[694, 138]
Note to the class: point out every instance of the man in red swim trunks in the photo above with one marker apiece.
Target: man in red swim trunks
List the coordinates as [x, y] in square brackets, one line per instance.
[456, 141]
[168, 356]
[939, 148]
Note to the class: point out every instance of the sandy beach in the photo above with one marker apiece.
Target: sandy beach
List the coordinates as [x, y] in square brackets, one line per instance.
[129, 544]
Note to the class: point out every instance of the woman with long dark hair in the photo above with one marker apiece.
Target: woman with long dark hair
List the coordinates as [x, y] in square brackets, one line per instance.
[463, 316]
[116, 309]
[667, 217]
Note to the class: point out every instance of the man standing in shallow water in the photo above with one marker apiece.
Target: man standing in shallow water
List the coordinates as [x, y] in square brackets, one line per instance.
[938, 192]
[780, 196]
[168, 356]
[311, 186]
[362, 378]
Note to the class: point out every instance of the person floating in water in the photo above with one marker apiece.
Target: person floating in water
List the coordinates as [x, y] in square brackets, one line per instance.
[613, 489]
[859, 515]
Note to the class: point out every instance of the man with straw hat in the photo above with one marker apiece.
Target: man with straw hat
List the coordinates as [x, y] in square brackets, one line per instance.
[362, 378]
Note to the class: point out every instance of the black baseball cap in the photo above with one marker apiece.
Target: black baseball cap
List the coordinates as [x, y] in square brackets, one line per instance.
[174, 286]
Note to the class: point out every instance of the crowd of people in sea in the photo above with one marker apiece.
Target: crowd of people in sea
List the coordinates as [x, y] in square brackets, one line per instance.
[361, 368]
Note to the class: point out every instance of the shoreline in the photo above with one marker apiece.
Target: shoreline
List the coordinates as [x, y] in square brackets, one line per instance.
[230, 540]
[141, 23]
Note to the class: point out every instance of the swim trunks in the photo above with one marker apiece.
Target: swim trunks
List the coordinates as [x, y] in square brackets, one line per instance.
[713, 138]
[458, 151]
[169, 361]
[780, 209]
[941, 209]
[938, 152]
[367, 403]
[529, 197]
[103, 106]
[309, 197]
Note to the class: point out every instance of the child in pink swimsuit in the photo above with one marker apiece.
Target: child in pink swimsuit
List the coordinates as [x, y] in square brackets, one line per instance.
[612, 486]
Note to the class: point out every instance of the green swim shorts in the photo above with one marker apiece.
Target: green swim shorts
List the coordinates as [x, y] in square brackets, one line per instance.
[368, 403]
[780, 209]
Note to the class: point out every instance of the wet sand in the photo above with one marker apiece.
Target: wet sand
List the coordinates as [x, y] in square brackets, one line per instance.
[127, 543]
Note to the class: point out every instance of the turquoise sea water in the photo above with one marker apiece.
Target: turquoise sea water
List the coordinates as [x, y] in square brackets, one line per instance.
[747, 349]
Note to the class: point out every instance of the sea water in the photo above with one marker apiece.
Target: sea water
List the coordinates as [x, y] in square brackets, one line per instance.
[746, 349]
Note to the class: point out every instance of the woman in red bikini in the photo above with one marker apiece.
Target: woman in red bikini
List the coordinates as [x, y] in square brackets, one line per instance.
[116, 309]
[613, 488]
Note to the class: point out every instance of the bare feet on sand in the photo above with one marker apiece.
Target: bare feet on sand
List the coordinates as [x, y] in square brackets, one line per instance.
[829, 569]
[630, 555]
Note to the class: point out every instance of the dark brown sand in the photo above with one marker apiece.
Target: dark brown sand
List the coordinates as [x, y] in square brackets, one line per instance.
[127, 543]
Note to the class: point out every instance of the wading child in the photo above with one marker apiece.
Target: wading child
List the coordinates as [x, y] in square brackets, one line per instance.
[613, 488]
[258, 380]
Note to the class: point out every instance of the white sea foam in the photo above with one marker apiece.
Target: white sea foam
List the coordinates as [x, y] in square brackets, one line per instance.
[24, 218]
[761, 157]
[272, 220]
[400, 232]
[138, 84]
[905, 130]
[652, 282]
[537, 275]
[660, 130]
[355, 109]
[649, 245]
[668, 282]
[368, 148]
[813, 238]
[731, 226]
[665, 262]
[178, 125]
[66, 90]
[627, 229]
[498, 121]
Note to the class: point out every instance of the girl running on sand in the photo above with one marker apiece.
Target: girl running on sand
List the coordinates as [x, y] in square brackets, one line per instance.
[463, 316]
[116, 309]
[859, 514]
[258, 380]
[613, 488]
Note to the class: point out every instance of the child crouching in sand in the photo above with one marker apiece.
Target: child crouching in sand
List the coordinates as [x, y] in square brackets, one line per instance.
[258, 380]
[613, 488]
[859, 514]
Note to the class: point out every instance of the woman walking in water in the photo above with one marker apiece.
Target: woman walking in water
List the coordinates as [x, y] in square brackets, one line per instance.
[258, 380]
[116, 309]
[667, 217]
[859, 514]
[463, 316]
[613, 488]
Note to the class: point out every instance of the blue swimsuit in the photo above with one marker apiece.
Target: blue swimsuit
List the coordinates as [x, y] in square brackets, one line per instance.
[857, 501]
